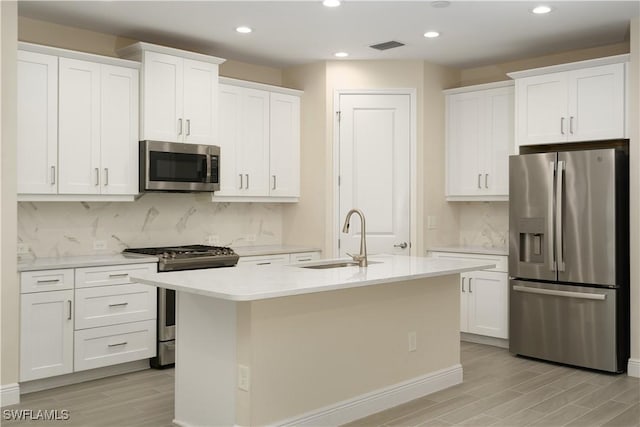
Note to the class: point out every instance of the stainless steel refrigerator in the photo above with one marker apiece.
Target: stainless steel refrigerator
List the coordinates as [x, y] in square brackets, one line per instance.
[569, 257]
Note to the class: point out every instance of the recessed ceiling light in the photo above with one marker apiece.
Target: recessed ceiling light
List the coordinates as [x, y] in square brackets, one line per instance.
[331, 3]
[431, 34]
[341, 54]
[541, 10]
[244, 29]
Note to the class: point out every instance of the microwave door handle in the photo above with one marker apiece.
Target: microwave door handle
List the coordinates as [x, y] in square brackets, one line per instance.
[208, 178]
[550, 223]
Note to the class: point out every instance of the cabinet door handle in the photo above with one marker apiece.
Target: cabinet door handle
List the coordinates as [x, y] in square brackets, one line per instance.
[241, 181]
[106, 176]
[470, 290]
[274, 182]
[119, 304]
[479, 178]
[70, 308]
[179, 126]
[188, 127]
[486, 179]
[97, 170]
[247, 176]
[117, 344]
[53, 175]
[571, 125]
[562, 125]
[463, 284]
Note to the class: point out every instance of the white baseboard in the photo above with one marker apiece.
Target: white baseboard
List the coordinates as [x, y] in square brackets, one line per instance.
[82, 376]
[481, 339]
[633, 368]
[379, 400]
[9, 394]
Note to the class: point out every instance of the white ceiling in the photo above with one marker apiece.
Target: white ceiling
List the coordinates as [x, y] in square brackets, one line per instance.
[474, 33]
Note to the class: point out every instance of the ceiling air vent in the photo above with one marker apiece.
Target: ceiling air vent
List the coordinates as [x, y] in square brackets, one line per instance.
[387, 45]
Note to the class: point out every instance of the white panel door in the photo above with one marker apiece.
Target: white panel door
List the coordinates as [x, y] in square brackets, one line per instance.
[163, 97]
[37, 113]
[375, 171]
[465, 136]
[284, 139]
[596, 106]
[499, 140]
[542, 109]
[230, 139]
[46, 334]
[119, 130]
[200, 95]
[488, 303]
[79, 127]
[254, 157]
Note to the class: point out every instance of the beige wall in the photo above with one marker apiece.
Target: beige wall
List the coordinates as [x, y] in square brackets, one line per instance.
[9, 291]
[634, 114]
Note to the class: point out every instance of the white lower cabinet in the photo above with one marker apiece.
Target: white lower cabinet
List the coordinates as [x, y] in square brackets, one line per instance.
[46, 334]
[85, 318]
[484, 296]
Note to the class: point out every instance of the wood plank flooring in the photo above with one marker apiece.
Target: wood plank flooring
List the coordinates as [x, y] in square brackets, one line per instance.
[498, 390]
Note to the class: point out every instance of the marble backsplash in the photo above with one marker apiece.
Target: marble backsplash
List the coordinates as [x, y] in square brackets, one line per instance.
[484, 224]
[52, 229]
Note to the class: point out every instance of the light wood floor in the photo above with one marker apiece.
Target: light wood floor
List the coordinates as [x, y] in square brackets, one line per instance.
[498, 389]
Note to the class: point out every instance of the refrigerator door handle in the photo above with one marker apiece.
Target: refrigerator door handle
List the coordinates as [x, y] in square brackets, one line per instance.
[550, 224]
[559, 215]
[568, 294]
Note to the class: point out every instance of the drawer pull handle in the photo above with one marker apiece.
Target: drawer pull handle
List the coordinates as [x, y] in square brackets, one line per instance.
[120, 304]
[49, 281]
[304, 259]
[117, 344]
[263, 263]
[113, 276]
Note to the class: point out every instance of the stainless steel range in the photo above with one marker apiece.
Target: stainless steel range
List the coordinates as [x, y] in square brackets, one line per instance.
[174, 258]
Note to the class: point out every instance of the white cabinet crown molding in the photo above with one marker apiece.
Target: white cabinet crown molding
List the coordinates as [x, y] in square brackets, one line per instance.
[135, 50]
[570, 66]
[82, 56]
[473, 88]
[261, 86]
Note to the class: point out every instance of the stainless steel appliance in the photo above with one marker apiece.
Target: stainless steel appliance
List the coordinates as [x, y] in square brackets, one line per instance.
[175, 258]
[170, 166]
[569, 257]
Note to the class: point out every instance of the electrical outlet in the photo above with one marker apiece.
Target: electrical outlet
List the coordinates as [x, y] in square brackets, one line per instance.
[213, 240]
[413, 341]
[243, 377]
[23, 248]
[250, 237]
[431, 222]
[99, 245]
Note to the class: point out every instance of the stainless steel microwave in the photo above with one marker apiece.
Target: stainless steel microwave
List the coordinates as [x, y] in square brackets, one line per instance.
[179, 167]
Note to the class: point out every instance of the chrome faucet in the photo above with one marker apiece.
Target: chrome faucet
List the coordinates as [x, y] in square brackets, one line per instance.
[362, 257]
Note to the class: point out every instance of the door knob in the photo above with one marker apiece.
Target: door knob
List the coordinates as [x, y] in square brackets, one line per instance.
[402, 245]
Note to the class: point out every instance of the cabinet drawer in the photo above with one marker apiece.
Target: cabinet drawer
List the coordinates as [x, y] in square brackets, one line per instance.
[46, 280]
[110, 305]
[499, 260]
[265, 260]
[110, 275]
[109, 345]
[304, 256]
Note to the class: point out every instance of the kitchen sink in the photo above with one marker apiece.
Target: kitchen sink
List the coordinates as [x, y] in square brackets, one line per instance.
[336, 264]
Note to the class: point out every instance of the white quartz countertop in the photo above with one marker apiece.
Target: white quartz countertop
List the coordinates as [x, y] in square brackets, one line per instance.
[250, 282]
[34, 264]
[471, 250]
[271, 250]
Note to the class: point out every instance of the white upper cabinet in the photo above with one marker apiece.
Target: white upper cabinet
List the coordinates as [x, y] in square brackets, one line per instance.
[572, 102]
[37, 112]
[179, 94]
[479, 139]
[77, 126]
[259, 142]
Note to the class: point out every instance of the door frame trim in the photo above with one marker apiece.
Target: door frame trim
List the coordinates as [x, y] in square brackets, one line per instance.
[413, 165]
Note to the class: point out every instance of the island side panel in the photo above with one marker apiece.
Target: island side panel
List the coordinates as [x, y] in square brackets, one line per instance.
[317, 350]
[206, 365]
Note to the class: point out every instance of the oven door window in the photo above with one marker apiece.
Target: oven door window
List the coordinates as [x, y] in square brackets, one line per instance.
[177, 167]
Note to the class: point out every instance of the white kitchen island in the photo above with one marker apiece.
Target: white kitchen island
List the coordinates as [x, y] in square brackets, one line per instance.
[285, 345]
